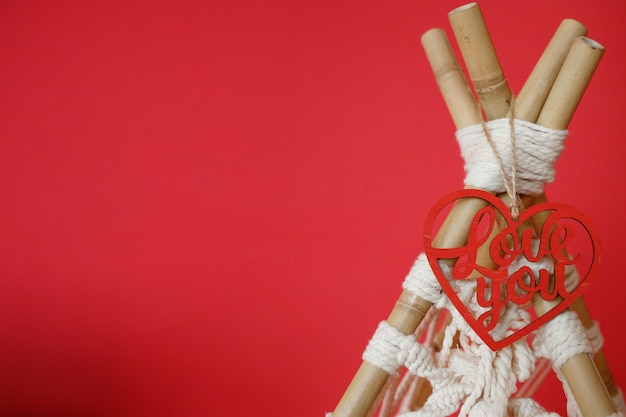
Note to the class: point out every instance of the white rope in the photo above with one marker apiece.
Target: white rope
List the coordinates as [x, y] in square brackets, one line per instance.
[421, 280]
[536, 151]
[561, 339]
[384, 347]
[401, 400]
[530, 385]
[525, 407]
[595, 337]
[472, 379]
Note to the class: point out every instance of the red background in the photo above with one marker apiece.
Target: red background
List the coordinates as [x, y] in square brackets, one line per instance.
[207, 207]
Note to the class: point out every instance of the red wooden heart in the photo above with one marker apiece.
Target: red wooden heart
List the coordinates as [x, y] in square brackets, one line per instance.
[566, 239]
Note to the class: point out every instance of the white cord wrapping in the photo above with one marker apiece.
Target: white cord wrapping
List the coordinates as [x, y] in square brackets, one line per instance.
[384, 347]
[422, 282]
[536, 151]
[561, 339]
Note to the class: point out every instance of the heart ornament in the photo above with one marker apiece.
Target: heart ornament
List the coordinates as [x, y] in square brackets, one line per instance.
[509, 261]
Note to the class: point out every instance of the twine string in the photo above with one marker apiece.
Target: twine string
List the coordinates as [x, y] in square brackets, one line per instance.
[509, 181]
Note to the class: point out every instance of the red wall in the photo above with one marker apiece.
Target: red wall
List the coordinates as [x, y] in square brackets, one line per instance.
[207, 207]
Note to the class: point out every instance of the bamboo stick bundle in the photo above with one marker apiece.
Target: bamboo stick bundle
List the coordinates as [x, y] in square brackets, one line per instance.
[567, 93]
[586, 385]
[409, 310]
[468, 24]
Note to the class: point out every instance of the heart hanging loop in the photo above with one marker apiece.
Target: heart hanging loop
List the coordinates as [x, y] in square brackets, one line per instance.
[509, 181]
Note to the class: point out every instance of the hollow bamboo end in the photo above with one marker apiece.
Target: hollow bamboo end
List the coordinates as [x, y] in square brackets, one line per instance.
[437, 48]
[569, 19]
[431, 33]
[575, 25]
[571, 83]
[464, 8]
[480, 58]
[591, 43]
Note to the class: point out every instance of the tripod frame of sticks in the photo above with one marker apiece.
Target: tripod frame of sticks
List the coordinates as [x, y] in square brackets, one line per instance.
[549, 98]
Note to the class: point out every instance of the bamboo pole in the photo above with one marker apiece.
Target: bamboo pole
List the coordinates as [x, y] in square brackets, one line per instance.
[409, 310]
[536, 89]
[580, 372]
[580, 307]
[556, 112]
[571, 83]
[366, 386]
[582, 61]
[450, 79]
[465, 112]
[481, 60]
[582, 376]
[468, 20]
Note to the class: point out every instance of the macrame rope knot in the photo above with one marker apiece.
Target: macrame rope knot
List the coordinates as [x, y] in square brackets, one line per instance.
[384, 348]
